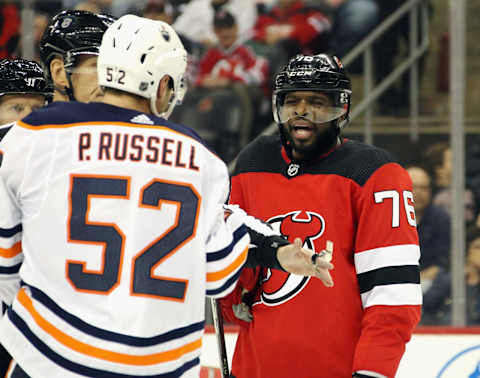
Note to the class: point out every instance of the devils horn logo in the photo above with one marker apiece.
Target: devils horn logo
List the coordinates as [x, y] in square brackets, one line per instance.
[305, 225]
[278, 287]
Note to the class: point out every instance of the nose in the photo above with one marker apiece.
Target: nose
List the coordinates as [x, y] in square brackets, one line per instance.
[302, 108]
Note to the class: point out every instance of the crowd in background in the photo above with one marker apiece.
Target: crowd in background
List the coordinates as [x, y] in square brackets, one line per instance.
[235, 49]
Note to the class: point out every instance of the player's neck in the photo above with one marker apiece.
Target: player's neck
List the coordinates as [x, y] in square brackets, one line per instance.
[127, 101]
[57, 96]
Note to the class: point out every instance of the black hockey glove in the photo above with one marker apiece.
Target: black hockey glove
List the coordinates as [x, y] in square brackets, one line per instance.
[265, 252]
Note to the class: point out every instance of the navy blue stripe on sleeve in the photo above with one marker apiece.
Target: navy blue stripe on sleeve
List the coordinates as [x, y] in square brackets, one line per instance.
[9, 232]
[231, 281]
[237, 235]
[10, 269]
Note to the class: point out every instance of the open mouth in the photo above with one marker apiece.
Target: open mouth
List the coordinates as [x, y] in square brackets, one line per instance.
[301, 129]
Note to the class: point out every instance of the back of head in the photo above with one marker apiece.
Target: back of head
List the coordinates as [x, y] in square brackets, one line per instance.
[322, 73]
[20, 76]
[136, 53]
[72, 33]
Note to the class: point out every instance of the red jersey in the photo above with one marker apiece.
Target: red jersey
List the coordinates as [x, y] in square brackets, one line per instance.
[359, 198]
[239, 63]
[9, 30]
[308, 23]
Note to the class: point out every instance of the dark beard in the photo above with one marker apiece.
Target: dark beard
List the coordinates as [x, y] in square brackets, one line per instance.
[324, 142]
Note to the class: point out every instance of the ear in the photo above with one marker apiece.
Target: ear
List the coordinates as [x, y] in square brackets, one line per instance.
[163, 87]
[57, 70]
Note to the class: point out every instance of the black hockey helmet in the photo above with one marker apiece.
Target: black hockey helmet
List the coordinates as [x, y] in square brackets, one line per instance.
[71, 33]
[20, 76]
[323, 73]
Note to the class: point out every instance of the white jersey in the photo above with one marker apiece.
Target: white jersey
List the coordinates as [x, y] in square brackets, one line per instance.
[118, 218]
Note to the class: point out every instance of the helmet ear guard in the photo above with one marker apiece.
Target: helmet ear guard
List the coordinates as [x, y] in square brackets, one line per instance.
[136, 53]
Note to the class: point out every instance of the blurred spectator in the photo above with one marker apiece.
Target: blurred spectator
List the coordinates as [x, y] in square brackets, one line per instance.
[9, 29]
[352, 21]
[196, 19]
[437, 304]
[288, 28]
[48, 7]
[296, 26]
[443, 199]
[433, 226]
[230, 80]
[160, 10]
[230, 61]
[438, 160]
[163, 10]
[472, 271]
[40, 24]
[95, 6]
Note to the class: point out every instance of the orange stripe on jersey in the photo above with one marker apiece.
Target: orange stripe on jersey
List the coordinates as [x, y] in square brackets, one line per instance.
[215, 276]
[103, 354]
[11, 252]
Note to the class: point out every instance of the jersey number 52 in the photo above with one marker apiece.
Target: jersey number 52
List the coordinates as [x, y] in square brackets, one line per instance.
[111, 237]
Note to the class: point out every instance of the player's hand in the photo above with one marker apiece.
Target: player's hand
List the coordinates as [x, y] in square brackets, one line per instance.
[297, 260]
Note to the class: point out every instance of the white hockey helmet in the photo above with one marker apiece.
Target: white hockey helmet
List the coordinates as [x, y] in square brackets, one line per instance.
[136, 53]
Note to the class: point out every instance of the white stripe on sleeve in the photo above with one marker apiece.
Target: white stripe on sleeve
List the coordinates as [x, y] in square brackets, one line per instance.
[397, 255]
[393, 295]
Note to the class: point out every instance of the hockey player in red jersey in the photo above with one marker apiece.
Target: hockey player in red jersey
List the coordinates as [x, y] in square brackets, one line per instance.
[308, 181]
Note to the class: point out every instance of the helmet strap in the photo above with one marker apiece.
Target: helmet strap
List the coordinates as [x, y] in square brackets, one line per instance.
[69, 90]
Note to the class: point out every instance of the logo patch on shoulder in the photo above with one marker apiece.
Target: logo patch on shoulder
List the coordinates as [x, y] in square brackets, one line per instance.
[142, 118]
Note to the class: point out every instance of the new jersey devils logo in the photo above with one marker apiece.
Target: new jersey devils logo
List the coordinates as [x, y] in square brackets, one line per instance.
[307, 225]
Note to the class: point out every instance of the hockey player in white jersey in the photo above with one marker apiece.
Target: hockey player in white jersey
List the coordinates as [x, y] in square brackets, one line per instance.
[119, 214]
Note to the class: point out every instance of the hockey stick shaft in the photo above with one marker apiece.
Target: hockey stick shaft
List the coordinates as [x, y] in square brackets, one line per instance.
[222, 350]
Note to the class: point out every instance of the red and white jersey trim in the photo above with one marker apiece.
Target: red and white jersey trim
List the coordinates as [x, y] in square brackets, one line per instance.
[396, 255]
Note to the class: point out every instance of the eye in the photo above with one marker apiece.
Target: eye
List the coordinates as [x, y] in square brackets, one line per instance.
[291, 101]
[319, 101]
[18, 108]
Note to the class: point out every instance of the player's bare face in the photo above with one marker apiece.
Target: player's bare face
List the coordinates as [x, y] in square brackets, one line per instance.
[301, 107]
[84, 79]
[15, 107]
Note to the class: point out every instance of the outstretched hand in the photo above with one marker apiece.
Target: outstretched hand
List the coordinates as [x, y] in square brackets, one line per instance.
[297, 260]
